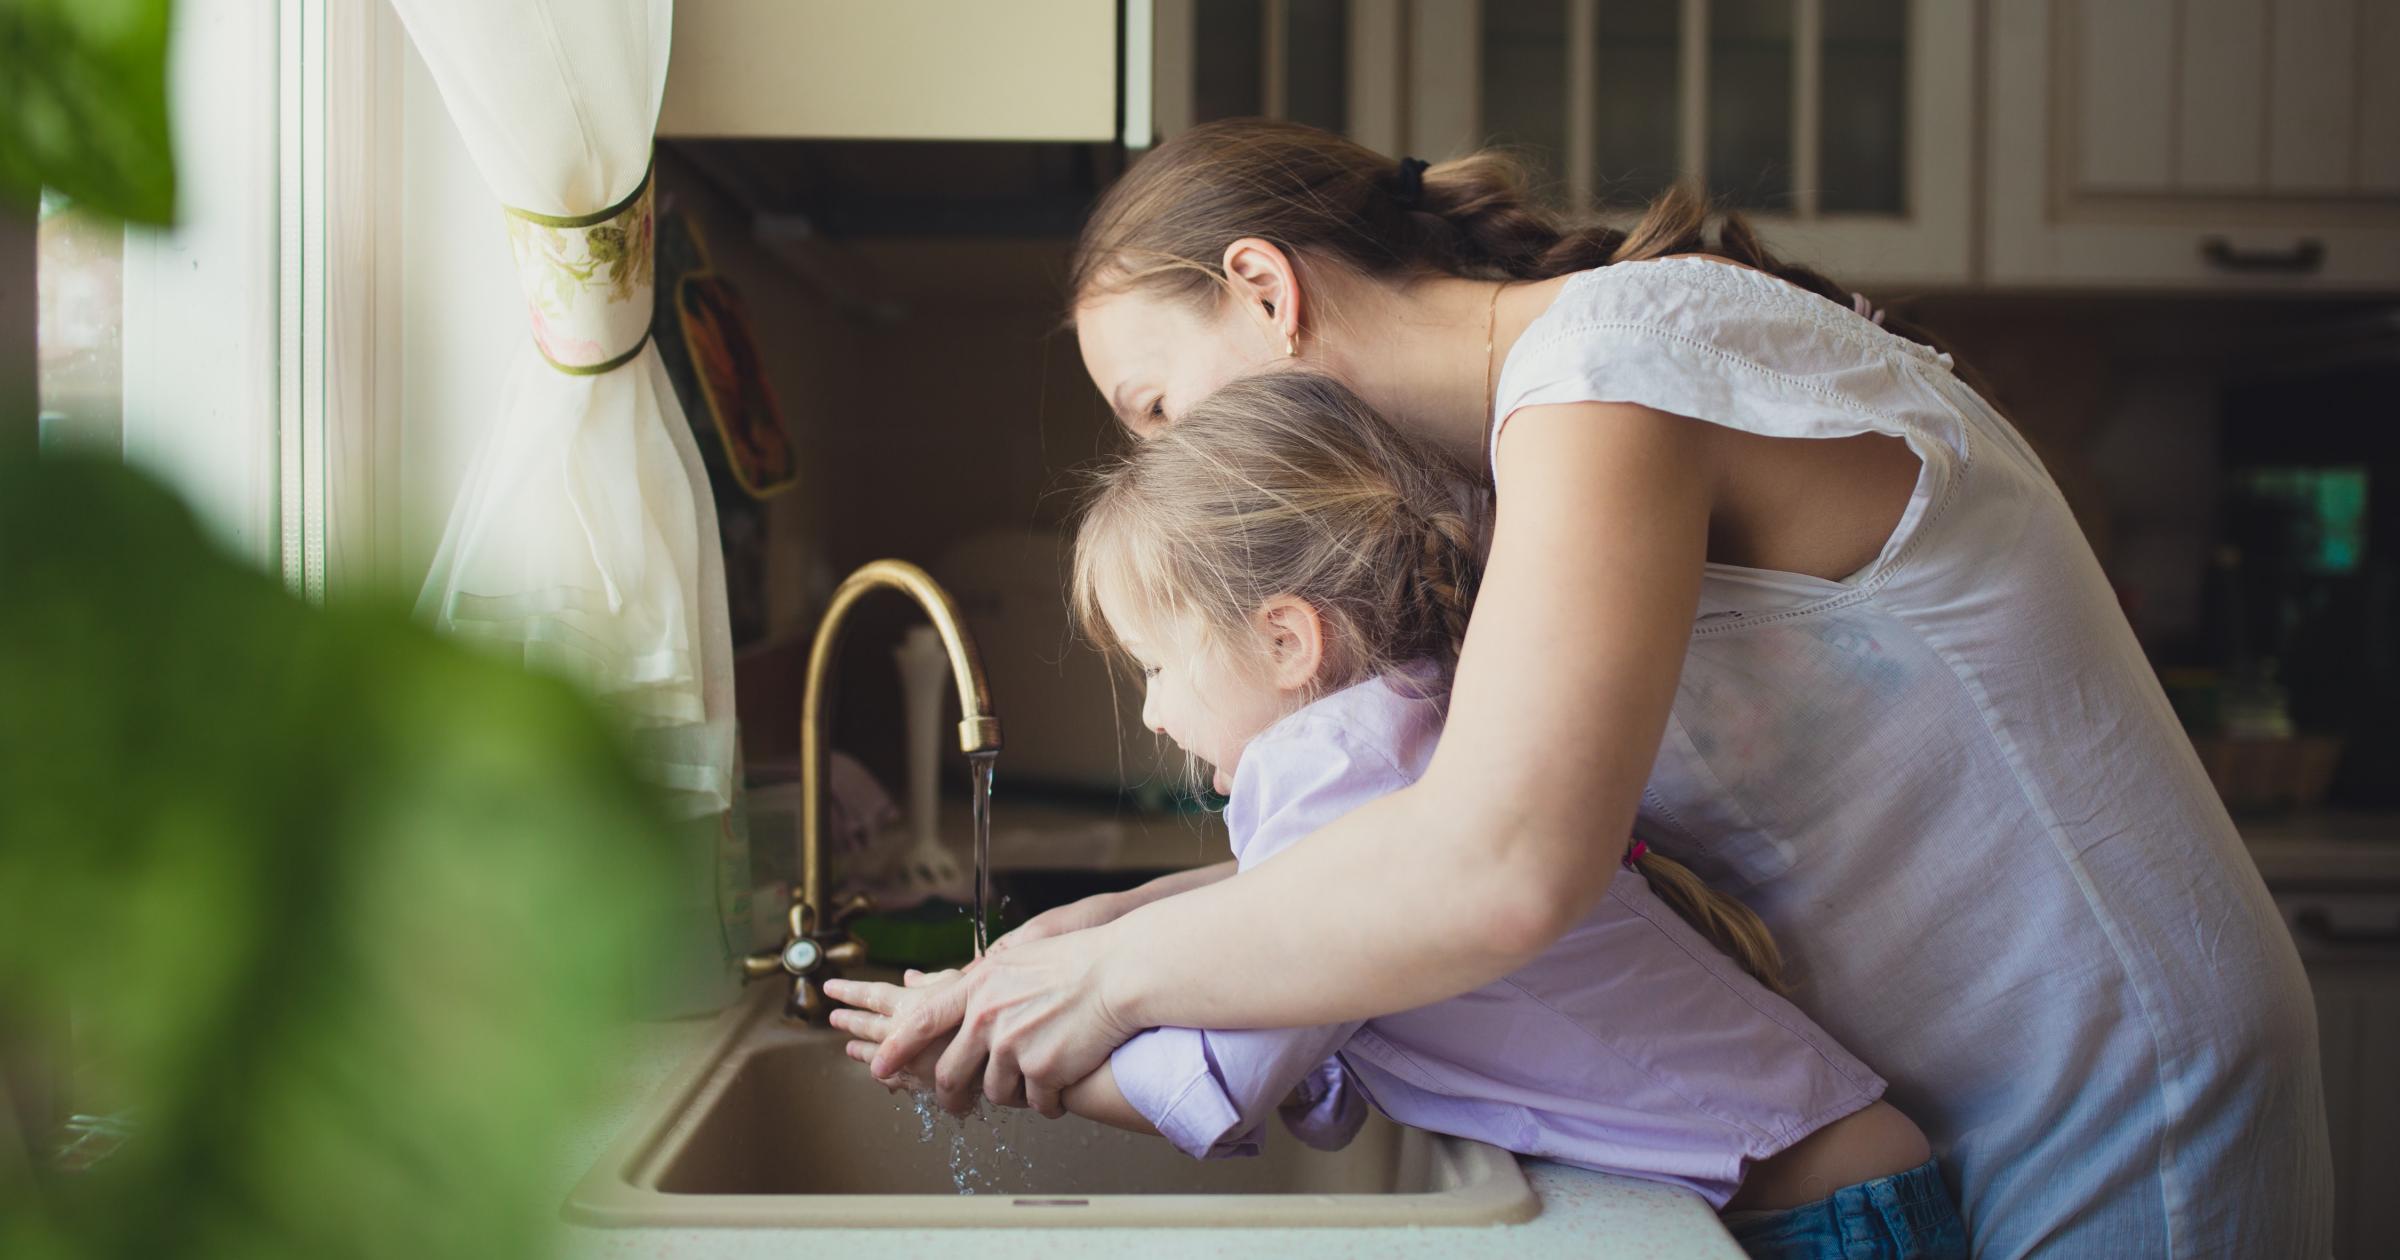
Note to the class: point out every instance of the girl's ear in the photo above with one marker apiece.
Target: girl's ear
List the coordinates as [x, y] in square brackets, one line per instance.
[1267, 287]
[1295, 637]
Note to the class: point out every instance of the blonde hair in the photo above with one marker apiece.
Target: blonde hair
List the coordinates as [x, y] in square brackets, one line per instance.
[1287, 484]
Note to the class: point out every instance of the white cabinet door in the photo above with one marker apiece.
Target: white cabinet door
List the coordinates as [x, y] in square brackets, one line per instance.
[1843, 128]
[893, 70]
[2221, 144]
[2349, 940]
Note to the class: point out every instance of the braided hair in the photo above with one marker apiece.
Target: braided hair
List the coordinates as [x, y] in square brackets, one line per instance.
[1326, 199]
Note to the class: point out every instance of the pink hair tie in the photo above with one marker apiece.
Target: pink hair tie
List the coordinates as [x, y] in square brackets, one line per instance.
[1636, 852]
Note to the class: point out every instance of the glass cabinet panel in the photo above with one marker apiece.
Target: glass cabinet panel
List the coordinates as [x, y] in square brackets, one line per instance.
[1524, 84]
[1635, 65]
[1863, 116]
[1316, 57]
[1750, 102]
[1228, 74]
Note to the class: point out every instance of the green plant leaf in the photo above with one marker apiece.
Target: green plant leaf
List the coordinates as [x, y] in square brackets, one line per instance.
[83, 105]
[337, 907]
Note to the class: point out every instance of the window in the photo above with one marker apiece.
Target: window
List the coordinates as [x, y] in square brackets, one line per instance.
[195, 352]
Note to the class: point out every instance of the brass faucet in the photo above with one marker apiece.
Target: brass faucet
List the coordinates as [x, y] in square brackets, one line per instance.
[816, 944]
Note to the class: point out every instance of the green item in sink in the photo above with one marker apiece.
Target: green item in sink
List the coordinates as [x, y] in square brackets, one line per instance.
[931, 936]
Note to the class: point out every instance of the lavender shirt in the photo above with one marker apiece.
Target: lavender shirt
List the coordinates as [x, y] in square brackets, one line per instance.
[1630, 1046]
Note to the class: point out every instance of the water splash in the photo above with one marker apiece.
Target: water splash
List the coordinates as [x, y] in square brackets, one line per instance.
[980, 1163]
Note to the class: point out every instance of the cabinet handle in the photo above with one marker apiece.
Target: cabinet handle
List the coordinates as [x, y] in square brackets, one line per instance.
[2318, 926]
[2303, 257]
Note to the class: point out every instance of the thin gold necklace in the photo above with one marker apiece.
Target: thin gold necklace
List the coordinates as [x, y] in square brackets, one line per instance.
[1491, 324]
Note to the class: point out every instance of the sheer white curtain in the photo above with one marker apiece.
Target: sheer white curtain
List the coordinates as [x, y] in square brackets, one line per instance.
[583, 536]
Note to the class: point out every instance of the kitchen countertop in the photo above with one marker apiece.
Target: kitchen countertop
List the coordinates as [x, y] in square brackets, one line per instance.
[2349, 848]
[1586, 1215]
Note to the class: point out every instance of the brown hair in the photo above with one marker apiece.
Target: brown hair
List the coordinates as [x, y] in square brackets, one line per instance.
[1287, 484]
[1324, 197]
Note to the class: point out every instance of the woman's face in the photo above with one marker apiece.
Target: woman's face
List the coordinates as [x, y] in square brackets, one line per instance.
[1154, 356]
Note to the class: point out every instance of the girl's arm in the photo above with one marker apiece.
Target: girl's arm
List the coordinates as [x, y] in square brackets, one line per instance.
[1210, 1093]
[1096, 1097]
[1512, 835]
[1101, 908]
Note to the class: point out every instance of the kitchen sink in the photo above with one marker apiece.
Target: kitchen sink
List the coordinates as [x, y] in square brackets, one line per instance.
[773, 1125]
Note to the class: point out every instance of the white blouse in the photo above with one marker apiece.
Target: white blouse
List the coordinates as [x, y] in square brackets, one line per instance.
[1953, 787]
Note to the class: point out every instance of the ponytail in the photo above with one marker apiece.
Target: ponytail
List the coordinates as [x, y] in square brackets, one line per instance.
[1732, 927]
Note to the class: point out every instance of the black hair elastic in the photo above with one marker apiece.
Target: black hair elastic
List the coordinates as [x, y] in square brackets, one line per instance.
[1409, 191]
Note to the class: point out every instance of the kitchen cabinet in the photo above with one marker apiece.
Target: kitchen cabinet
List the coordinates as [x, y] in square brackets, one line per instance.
[1028, 70]
[2350, 943]
[2219, 144]
[1844, 129]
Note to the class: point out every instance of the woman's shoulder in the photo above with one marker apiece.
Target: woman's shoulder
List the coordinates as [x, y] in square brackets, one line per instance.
[1687, 293]
[1691, 322]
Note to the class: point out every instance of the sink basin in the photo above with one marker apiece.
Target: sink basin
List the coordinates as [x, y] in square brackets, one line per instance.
[773, 1125]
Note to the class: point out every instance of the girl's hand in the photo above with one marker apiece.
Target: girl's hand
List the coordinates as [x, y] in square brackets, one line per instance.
[1091, 912]
[871, 1022]
[1024, 1024]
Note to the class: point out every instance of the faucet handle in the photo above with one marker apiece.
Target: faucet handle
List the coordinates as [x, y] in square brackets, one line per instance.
[808, 1000]
[851, 906]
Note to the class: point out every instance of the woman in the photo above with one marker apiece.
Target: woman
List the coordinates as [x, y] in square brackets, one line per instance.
[1773, 579]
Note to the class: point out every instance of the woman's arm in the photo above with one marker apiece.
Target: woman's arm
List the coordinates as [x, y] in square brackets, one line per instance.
[1511, 836]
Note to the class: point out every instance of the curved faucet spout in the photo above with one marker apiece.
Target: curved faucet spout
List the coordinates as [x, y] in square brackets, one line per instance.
[816, 944]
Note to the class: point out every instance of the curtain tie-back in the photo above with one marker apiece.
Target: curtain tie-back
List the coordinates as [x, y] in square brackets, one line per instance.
[587, 281]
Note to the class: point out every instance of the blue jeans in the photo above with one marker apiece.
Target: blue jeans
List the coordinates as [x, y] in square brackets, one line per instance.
[1906, 1216]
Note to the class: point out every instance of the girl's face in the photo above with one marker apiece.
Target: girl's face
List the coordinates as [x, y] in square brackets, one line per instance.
[1211, 709]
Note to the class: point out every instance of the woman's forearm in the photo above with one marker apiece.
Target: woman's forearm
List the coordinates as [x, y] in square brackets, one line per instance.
[1382, 910]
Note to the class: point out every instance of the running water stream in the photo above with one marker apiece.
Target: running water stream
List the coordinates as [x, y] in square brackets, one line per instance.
[979, 778]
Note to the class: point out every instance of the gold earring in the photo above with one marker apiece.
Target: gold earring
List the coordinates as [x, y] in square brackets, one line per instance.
[1291, 347]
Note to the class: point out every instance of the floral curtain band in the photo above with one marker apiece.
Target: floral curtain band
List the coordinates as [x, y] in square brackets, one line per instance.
[587, 281]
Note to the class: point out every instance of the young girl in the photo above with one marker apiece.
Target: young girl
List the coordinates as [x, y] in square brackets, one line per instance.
[1293, 576]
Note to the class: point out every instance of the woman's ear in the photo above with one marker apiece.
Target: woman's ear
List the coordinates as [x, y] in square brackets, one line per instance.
[1267, 287]
[1295, 637]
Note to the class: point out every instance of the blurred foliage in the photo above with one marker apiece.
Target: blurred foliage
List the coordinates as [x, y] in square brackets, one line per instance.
[335, 907]
[83, 105]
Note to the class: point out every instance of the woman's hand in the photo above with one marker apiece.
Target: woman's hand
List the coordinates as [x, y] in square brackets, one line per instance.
[1024, 1024]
